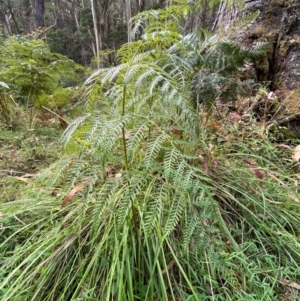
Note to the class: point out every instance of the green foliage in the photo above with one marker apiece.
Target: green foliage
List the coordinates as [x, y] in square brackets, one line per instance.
[149, 203]
[213, 64]
[33, 72]
[4, 103]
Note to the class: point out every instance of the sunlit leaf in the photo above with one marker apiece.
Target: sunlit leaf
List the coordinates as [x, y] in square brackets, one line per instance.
[2, 84]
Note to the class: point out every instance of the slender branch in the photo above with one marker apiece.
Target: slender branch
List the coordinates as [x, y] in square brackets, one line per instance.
[123, 129]
[64, 120]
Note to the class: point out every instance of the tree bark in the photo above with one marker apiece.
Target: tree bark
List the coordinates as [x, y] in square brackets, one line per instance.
[10, 8]
[278, 23]
[5, 22]
[128, 17]
[39, 13]
[96, 32]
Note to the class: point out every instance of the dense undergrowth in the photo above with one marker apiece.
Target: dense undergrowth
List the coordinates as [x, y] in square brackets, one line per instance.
[158, 195]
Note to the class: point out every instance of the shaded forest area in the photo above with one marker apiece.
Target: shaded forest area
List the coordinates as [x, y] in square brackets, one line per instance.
[145, 156]
[77, 28]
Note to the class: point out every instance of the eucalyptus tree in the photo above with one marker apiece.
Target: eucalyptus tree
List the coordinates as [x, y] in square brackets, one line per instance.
[96, 33]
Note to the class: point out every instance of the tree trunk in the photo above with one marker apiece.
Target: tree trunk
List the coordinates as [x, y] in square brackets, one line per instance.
[10, 8]
[128, 17]
[96, 33]
[278, 23]
[5, 22]
[39, 13]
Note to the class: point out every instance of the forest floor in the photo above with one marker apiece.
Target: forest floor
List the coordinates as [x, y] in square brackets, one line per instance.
[22, 154]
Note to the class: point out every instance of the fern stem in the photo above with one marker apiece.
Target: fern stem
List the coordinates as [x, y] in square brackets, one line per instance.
[123, 129]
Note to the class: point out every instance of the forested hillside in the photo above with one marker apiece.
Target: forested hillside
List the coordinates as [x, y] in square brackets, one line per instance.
[144, 155]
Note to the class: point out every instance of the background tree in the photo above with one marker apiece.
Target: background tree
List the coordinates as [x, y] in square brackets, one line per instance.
[39, 13]
[72, 26]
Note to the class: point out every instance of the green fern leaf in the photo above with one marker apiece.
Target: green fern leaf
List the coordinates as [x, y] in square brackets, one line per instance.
[153, 149]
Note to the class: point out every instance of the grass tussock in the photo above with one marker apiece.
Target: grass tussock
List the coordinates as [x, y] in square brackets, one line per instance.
[215, 220]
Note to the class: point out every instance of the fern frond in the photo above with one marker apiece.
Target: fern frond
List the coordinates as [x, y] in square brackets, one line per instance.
[144, 77]
[178, 203]
[124, 206]
[258, 49]
[75, 171]
[95, 75]
[105, 201]
[190, 225]
[55, 172]
[113, 72]
[170, 160]
[133, 71]
[153, 149]
[136, 139]
[73, 126]
[153, 211]
[179, 173]
[114, 95]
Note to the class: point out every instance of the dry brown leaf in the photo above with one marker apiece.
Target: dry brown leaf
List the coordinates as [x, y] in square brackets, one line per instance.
[192, 243]
[203, 114]
[270, 95]
[285, 146]
[214, 126]
[291, 284]
[214, 161]
[255, 170]
[177, 132]
[22, 179]
[72, 193]
[273, 202]
[28, 175]
[169, 267]
[278, 180]
[126, 135]
[205, 167]
[296, 155]
[261, 132]
[236, 116]
[294, 198]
